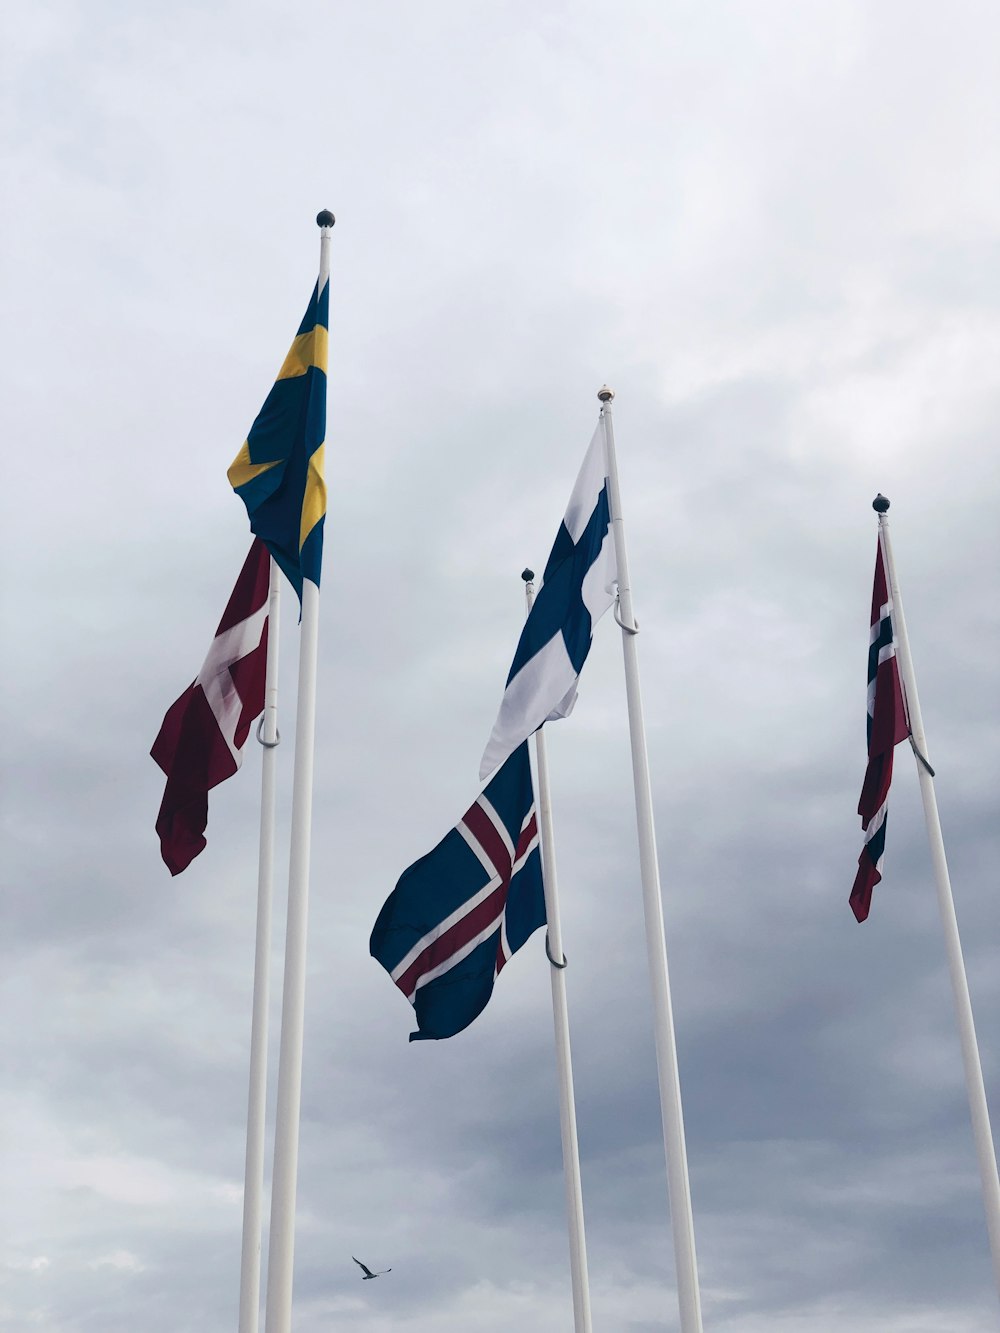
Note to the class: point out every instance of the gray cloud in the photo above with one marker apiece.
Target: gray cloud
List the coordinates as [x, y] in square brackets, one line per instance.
[774, 232]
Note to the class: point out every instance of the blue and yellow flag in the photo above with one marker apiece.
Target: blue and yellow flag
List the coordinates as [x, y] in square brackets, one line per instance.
[278, 473]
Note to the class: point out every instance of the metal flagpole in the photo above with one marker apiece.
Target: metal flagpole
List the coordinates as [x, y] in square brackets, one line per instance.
[253, 1176]
[281, 1241]
[953, 944]
[678, 1185]
[560, 1020]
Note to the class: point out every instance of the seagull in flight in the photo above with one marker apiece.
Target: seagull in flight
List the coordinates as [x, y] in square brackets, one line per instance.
[368, 1272]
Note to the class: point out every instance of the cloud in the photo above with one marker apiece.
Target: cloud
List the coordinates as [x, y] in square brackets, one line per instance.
[120, 1260]
[773, 233]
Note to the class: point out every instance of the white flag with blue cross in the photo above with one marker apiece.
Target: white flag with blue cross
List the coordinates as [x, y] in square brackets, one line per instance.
[578, 586]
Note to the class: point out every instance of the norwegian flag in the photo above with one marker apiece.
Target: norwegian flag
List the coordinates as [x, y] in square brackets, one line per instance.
[887, 726]
[456, 915]
[200, 743]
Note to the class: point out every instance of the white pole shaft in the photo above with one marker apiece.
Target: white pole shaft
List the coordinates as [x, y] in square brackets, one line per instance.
[678, 1184]
[281, 1244]
[560, 1021]
[253, 1176]
[281, 1248]
[978, 1108]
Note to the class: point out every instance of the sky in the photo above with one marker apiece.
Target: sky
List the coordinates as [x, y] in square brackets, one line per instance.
[772, 229]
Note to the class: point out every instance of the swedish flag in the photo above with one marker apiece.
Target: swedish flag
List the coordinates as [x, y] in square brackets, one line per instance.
[278, 473]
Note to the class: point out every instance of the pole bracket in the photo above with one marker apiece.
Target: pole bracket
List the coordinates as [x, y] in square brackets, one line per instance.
[921, 758]
[548, 954]
[268, 745]
[629, 629]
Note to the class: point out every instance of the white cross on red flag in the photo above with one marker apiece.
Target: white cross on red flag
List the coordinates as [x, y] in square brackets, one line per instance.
[201, 741]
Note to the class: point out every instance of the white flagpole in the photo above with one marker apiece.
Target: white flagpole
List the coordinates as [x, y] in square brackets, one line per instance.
[560, 1020]
[953, 944]
[281, 1241]
[253, 1175]
[678, 1184]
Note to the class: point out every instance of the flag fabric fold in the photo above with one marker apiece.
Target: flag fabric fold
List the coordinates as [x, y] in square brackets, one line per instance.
[457, 915]
[278, 473]
[887, 726]
[201, 740]
[577, 588]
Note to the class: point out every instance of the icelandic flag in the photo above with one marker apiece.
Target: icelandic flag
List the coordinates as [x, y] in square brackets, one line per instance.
[201, 740]
[577, 588]
[456, 915]
[278, 473]
[887, 726]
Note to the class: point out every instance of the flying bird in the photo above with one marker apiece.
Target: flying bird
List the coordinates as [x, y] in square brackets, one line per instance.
[368, 1272]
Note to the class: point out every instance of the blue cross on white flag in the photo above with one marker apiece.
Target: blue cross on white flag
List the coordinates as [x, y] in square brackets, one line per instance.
[577, 588]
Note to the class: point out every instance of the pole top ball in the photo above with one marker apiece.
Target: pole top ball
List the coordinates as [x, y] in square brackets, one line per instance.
[605, 394]
[880, 504]
[527, 575]
[325, 218]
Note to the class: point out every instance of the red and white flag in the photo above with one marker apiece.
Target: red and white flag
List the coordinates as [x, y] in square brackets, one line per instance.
[201, 741]
[887, 726]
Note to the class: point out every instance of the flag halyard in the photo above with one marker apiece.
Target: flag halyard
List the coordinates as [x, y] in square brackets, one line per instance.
[278, 472]
[887, 726]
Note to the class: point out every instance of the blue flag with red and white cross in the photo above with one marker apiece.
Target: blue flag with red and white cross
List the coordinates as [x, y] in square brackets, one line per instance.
[887, 726]
[456, 915]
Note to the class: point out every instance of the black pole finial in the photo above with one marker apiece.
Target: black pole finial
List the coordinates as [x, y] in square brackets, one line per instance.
[528, 575]
[325, 219]
[880, 504]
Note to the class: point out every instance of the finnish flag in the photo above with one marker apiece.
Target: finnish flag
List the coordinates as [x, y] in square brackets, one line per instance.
[578, 586]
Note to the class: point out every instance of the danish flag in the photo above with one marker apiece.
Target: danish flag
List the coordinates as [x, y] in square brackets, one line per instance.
[201, 741]
[458, 914]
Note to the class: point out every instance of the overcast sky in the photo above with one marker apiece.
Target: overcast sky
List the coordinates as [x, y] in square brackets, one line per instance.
[772, 227]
